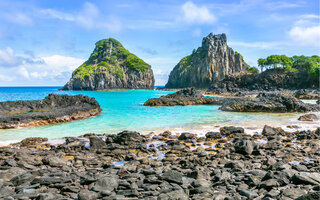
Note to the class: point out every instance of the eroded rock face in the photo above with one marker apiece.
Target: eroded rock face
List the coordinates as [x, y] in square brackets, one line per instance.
[210, 62]
[53, 109]
[111, 66]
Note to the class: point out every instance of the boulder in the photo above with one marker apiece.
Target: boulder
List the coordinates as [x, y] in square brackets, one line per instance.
[213, 135]
[96, 142]
[172, 176]
[311, 178]
[187, 136]
[244, 146]
[308, 117]
[129, 137]
[228, 130]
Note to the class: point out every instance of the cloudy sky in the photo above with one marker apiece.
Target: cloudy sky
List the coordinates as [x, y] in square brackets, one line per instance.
[42, 42]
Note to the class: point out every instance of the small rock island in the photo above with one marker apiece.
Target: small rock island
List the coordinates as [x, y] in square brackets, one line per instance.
[52, 110]
[111, 66]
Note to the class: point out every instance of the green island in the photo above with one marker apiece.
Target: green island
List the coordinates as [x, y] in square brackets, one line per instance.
[110, 57]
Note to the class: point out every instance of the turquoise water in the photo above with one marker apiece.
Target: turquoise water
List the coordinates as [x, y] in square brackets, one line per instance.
[124, 110]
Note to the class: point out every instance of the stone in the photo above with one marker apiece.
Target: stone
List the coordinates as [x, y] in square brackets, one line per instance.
[96, 142]
[8, 174]
[228, 130]
[108, 183]
[22, 178]
[293, 193]
[187, 136]
[310, 196]
[176, 194]
[129, 137]
[87, 195]
[306, 178]
[213, 135]
[244, 146]
[270, 131]
[249, 194]
[308, 117]
[172, 176]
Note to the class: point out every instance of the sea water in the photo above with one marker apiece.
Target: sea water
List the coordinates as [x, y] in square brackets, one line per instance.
[124, 110]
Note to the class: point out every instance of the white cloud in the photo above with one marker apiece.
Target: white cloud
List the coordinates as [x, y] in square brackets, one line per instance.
[19, 18]
[89, 18]
[306, 36]
[53, 69]
[57, 14]
[23, 72]
[194, 14]
[8, 58]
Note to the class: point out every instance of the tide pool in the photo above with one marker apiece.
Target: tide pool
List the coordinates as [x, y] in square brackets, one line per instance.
[124, 110]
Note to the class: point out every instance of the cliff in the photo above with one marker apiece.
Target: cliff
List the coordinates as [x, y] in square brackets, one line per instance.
[111, 66]
[209, 63]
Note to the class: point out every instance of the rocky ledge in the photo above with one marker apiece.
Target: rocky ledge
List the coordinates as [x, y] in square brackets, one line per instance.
[222, 165]
[187, 96]
[53, 109]
[269, 102]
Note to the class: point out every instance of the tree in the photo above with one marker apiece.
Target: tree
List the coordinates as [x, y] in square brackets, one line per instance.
[253, 70]
[262, 63]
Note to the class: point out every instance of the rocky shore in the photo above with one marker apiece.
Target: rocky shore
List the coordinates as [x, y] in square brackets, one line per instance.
[263, 102]
[53, 109]
[228, 164]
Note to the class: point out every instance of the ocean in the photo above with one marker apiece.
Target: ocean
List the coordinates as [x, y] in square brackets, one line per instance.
[124, 110]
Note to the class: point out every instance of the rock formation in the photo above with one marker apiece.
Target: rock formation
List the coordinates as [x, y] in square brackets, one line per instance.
[111, 66]
[269, 102]
[53, 109]
[209, 63]
[187, 96]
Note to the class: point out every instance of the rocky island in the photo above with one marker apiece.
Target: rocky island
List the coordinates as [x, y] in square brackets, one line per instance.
[211, 62]
[111, 66]
[51, 110]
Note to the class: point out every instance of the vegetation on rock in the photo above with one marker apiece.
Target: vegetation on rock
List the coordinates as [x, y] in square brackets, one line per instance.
[109, 57]
[299, 64]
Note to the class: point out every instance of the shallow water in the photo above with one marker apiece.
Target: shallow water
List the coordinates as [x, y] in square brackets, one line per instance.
[124, 110]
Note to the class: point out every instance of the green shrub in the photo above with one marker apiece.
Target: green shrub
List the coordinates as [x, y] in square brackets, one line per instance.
[253, 70]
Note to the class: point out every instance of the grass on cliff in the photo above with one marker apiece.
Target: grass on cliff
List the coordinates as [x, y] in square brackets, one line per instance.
[109, 56]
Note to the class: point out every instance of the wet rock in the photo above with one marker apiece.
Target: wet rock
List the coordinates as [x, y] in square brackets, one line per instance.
[187, 136]
[213, 135]
[308, 117]
[270, 131]
[228, 130]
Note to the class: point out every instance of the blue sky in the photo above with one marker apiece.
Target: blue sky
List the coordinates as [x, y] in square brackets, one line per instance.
[42, 42]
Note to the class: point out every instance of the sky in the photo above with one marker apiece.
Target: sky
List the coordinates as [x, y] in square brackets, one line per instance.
[42, 42]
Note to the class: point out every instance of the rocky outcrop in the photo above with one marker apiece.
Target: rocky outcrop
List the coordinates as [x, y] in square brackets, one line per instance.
[111, 66]
[187, 96]
[269, 80]
[134, 166]
[269, 102]
[53, 109]
[209, 63]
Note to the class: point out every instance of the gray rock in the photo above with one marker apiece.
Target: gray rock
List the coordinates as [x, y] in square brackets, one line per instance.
[187, 136]
[306, 178]
[310, 196]
[8, 174]
[87, 195]
[249, 194]
[22, 178]
[308, 117]
[244, 146]
[108, 183]
[293, 193]
[96, 142]
[174, 195]
[172, 176]
[228, 130]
